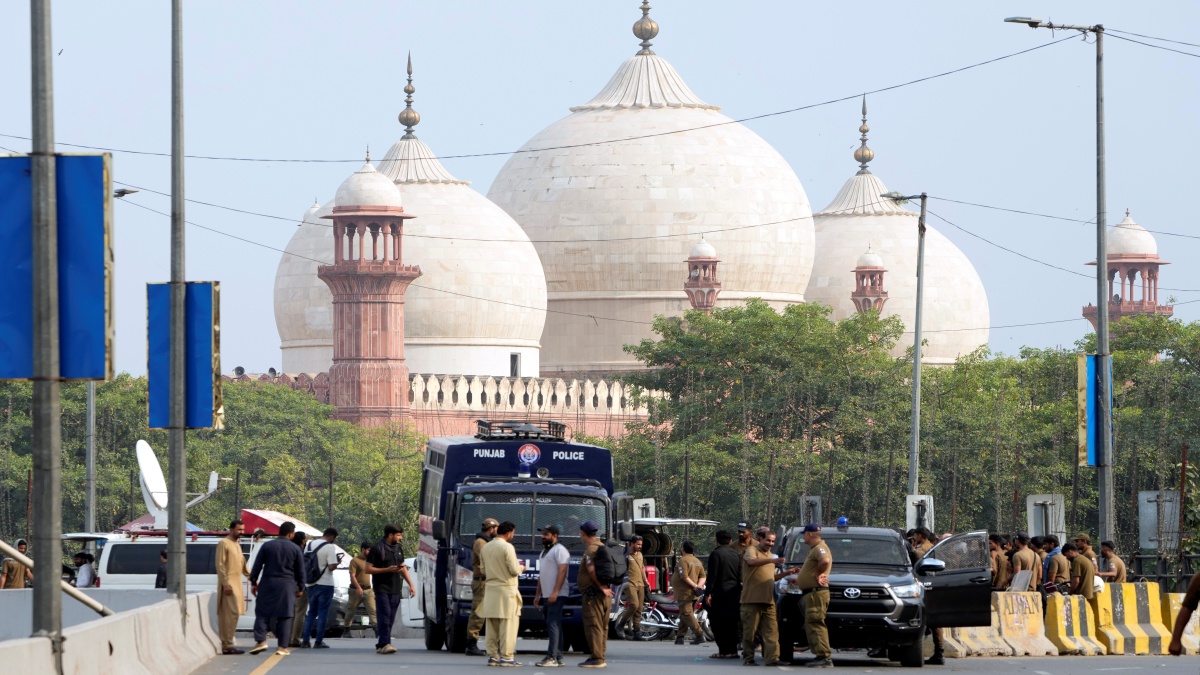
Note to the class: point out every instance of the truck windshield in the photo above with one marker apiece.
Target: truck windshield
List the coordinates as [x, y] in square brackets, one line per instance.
[850, 549]
[529, 511]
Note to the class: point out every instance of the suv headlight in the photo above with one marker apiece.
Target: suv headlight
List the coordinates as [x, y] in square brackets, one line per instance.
[462, 582]
[908, 591]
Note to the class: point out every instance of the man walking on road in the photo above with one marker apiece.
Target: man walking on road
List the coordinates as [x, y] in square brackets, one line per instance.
[597, 597]
[552, 576]
[478, 587]
[1190, 600]
[231, 599]
[688, 582]
[723, 595]
[280, 567]
[758, 599]
[635, 590]
[501, 606]
[320, 592]
[385, 564]
[360, 586]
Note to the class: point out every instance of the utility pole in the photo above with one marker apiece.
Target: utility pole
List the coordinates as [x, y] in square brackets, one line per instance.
[237, 493]
[90, 511]
[177, 482]
[47, 428]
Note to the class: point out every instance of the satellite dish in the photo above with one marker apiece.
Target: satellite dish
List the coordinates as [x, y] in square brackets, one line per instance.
[154, 486]
[271, 372]
[239, 371]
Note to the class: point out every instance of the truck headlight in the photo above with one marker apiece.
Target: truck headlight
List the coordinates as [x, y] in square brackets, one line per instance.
[462, 583]
[908, 591]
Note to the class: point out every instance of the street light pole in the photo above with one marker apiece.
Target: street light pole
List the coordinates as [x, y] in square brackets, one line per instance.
[177, 482]
[1104, 451]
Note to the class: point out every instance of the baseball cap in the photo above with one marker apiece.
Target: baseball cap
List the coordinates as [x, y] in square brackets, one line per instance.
[589, 526]
[744, 527]
[812, 527]
[552, 529]
[1082, 536]
[490, 522]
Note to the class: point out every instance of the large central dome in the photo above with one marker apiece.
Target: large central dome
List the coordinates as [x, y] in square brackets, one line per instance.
[614, 195]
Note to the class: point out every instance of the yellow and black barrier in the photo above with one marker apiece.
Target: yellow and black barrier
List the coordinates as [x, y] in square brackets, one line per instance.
[976, 641]
[1071, 625]
[1019, 622]
[1129, 619]
[1171, 604]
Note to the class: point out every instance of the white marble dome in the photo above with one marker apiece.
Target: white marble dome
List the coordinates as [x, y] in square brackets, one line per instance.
[615, 194]
[956, 315]
[703, 249]
[367, 187]
[481, 297]
[1129, 238]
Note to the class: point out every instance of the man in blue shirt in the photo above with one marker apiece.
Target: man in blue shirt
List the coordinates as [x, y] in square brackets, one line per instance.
[1052, 548]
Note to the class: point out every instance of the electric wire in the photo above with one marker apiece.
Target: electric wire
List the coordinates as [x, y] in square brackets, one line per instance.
[1147, 44]
[1151, 37]
[590, 143]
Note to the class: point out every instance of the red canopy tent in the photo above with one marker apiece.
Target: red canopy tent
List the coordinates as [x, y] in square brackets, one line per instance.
[270, 521]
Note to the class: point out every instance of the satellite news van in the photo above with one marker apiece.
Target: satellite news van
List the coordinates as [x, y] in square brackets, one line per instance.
[523, 472]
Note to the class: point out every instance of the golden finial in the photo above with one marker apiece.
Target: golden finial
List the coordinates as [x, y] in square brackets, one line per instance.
[863, 155]
[645, 28]
[409, 117]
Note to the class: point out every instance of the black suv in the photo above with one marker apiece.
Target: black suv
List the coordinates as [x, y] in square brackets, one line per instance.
[878, 598]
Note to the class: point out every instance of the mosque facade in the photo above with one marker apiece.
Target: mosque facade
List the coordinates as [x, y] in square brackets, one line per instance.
[623, 210]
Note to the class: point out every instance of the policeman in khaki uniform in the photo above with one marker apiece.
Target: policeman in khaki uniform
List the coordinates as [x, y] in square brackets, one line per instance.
[813, 579]
[635, 588]
[688, 582]
[597, 597]
[478, 586]
[758, 599]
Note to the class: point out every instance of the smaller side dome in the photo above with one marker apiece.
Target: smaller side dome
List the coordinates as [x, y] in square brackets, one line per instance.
[870, 259]
[367, 187]
[1129, 238]
[703, 249]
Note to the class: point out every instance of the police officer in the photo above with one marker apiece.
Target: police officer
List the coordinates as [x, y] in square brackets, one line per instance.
[813, 579]
[475, 623]
[921, 541]
[745, 538]
[597, 597]
[688, 582]
[635, 589]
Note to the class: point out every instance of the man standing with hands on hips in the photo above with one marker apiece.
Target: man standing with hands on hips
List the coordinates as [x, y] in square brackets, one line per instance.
[814, 581]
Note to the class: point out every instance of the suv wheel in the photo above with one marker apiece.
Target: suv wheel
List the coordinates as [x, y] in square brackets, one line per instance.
[912, 656]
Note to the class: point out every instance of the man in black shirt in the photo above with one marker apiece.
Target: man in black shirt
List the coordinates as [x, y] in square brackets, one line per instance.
[160, 580]
[385, 564]
[723, 598]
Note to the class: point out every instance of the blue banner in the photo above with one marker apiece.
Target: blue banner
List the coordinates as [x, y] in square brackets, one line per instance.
[203, 408]
[1092, 403]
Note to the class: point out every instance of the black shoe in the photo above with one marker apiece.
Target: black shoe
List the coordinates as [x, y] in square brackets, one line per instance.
[679, 640]
[700, 639]
[306, 645]
[936, 660]
[820, 663]
[474, 650]
[320, 645]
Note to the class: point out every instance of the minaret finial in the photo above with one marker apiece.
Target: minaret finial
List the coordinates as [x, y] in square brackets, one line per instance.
[1126, 213]
[863, 155]
[645, 28]
[409, 117]
[368, 153]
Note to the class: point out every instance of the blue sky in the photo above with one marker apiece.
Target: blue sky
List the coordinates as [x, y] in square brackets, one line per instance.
[323, 80]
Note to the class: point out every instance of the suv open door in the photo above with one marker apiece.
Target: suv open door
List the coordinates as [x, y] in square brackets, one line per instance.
[960, 593]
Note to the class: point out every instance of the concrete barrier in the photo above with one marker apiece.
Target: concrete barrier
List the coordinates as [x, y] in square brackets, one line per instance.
[202, 624]
[976, 641]
[27, 655]
[1020, 623]
[1071, 625]
[1171, 604]
[106, 646]
[1129, 619]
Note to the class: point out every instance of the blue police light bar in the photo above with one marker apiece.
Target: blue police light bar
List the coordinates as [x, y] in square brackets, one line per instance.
[85, 267]
[204, 408]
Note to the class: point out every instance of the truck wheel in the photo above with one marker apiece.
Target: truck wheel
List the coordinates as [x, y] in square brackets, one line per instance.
[435, 635]
[456, 637]
[912, 656]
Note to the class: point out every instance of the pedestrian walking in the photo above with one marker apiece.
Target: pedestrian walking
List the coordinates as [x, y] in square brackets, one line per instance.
[635, 589]
[1083, 573]
[301, 541]
[688, 582]
[1191, 598]
[360, 586]
[478, 587]
[597, 597]
[1113, 567]
[723, 595]
[231, 598]
[320, 592]
[758, 598]
[85, 574]
[160, 579]
[13, 574]
[813, 580]
[552, 576]
[280, 568]
[501, 606]
[389, 573]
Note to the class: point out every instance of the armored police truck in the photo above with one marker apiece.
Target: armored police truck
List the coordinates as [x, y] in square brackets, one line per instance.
[523, 472]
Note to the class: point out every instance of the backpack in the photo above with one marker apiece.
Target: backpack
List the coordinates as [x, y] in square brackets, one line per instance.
[313, 569]
[611, 564]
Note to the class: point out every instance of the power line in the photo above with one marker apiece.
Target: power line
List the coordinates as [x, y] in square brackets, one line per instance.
[1147, 44]
[1151, 37]
[591, 143]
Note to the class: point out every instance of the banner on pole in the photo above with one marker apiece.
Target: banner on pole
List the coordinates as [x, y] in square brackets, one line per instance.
[1089, 407]
[204, 408]
[83, 184]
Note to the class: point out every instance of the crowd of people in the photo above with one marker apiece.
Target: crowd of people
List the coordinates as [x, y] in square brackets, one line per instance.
[1072, 568]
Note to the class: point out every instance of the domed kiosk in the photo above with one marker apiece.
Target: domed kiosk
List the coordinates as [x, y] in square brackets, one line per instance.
[479, 306]
[956, 315]
[615, 194]
[1133, 271]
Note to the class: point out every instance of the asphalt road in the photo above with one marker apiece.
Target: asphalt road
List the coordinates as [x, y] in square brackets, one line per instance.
[353, 655]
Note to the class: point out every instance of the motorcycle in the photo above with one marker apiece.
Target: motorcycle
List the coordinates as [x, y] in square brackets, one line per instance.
[660, 617]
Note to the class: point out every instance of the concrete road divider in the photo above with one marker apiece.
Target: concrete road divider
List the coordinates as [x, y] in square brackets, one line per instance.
[976, 641]
[105, 646]
[1129, 619]
[27, 655]
[1020, 623]
[1171, 603]
[1071, 625]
